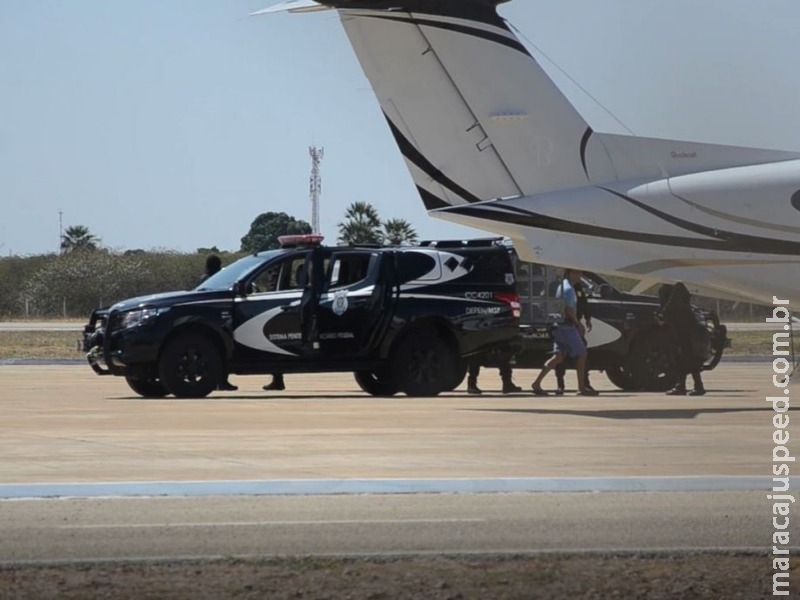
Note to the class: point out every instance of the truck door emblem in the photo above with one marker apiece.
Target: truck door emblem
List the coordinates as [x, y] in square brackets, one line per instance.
[509, 279]
[340, 303]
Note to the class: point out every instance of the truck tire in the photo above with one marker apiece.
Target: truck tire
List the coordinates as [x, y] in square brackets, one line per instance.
[621, 376]
[376, 383]
[459, 374]
[147, 388]
[423, 365]
[652, 361]
[190, 366]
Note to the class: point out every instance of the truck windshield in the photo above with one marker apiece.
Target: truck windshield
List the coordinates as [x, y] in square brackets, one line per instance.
[224, 279]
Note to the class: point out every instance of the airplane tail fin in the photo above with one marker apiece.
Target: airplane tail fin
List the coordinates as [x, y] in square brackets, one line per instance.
[477, 118]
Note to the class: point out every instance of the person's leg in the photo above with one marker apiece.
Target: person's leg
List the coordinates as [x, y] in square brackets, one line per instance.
[684, 350]
[583, 390]
[586, 383]
[679, 388]
[506, 376]
[561, 370]
[276, 384]
[575, 346]
[548, 366]
[699, 389]
[472, 378]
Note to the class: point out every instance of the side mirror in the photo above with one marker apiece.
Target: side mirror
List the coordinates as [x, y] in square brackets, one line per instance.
[239, 288]
[606, 291]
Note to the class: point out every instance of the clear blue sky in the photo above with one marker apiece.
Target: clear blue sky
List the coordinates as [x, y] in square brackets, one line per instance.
[173, 124]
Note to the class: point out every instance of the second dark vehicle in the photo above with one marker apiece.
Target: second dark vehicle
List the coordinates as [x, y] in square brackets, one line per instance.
[626, 341]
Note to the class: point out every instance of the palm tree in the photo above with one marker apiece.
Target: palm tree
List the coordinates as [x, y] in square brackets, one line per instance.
[398, 231]
[78, 237]
[362, 225]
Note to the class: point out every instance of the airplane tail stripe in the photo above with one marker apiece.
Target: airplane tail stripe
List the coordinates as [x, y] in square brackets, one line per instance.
[431, 201]
[418, 159]
[473, 31]
[584, 143]
[748, 242]
[722, 240]
[479, 11]
[527, 218]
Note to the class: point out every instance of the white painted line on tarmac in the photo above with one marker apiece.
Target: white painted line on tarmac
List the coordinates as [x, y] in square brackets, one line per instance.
[270, 523]
[276, 487]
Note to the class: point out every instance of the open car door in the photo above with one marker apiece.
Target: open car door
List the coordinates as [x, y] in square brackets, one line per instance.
[357, 302]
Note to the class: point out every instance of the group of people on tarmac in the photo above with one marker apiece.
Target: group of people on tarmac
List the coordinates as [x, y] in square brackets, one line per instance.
[569, 335]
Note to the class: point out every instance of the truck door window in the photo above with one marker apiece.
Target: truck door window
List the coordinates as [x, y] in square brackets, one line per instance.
[418, 266]
[348, 269]
[288, 274]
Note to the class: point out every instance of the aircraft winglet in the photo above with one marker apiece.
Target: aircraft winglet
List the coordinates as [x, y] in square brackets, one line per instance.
[292, 6]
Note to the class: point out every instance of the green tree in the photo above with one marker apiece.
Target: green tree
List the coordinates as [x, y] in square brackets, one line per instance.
[398, 231]
[78, 237]
[361, 225]
[267, 227]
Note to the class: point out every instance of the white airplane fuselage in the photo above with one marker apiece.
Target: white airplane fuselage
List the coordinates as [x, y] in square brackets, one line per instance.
[731, 233]
[491, 142]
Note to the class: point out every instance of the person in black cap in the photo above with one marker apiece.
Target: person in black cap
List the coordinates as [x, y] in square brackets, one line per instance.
[213, 266]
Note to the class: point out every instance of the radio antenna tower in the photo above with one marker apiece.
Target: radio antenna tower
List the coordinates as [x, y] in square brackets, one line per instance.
[315, 185]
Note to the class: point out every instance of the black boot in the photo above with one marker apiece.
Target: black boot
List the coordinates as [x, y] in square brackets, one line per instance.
[698, 390]
[276, 384]
[472, 387]
[510, 388]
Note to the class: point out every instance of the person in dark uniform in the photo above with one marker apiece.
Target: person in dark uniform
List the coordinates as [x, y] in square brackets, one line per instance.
[584, 313]
[277, 383]
[505, 375]
[676, 313]
[214, 266]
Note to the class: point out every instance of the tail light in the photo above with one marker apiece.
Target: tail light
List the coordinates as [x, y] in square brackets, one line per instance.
[513, 301]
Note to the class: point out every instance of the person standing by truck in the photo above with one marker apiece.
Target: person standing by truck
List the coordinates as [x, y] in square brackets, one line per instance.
[677, 314]
[568, 334]
[584, 313]
[214, 266]
[505, 376]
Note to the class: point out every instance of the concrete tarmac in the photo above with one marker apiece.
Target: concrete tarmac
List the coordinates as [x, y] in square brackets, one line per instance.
[159, 528]
[65, 425]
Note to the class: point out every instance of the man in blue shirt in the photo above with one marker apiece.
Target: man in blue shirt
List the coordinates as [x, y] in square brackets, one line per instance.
[568, 335]
[584, 314]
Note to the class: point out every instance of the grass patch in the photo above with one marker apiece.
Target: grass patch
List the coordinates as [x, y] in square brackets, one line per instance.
[754, 343]
[40, 344]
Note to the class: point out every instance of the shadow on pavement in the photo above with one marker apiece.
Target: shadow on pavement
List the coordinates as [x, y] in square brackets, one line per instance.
[635, 413]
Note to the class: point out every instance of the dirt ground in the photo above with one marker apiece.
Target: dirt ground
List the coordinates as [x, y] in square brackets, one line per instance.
[701, 576]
